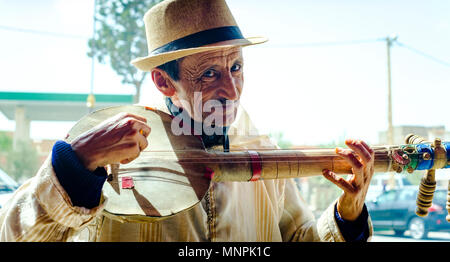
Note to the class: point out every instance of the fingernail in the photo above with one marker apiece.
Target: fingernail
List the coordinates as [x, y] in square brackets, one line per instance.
[349, 141]
[338, 150]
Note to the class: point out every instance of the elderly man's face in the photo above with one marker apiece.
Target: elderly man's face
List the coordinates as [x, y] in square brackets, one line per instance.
[210, 76]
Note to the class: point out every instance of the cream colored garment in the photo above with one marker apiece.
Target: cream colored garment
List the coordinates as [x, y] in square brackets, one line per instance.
[270, 210]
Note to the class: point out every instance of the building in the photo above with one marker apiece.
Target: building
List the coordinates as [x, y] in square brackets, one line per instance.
[400, 132]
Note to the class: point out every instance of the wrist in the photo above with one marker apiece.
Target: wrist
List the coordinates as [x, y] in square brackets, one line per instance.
[86, 157]
[349, 210]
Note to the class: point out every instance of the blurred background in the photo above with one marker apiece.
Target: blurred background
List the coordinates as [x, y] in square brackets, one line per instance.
[371, 70]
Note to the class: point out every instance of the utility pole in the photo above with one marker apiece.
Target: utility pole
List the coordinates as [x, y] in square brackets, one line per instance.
[390, 134]
[91, 98]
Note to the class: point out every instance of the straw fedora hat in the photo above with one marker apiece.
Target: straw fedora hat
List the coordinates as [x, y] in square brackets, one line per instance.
[178, 28]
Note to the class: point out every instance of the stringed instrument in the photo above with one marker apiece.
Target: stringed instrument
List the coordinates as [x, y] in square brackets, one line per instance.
[174, 172]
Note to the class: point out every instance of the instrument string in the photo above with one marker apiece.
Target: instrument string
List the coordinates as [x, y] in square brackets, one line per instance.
[375, 148]
[268, 155]
[238, 160]
[324, 155]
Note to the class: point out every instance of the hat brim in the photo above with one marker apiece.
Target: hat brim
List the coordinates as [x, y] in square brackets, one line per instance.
[149, 62]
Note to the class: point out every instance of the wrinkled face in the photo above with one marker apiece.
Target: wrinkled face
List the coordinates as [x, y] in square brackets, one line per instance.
[210, 85]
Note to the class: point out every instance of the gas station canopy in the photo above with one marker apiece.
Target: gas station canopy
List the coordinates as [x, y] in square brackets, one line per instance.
[56, 106]
[26, 107]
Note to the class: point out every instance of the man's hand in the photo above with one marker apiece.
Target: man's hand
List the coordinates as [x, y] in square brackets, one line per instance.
[355, 188]
[119, 139]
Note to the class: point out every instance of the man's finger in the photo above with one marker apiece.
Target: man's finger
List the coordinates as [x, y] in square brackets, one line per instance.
[133, 151]
[140, 118]
[350, 158]
[143, 142]
[357, 166]
[370, 150]
[143, 128]
[359, 149]
[126, 161]
[338, 181]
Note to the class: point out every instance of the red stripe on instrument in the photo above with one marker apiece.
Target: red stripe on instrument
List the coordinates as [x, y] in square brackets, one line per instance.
[127, 182]
[209, 173]
[256, 165]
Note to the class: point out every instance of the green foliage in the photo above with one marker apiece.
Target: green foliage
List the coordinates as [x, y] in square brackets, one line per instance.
[5, 143]
[120, 37]
[281, 141]
[334, 144]
[23, 162]
[20, 163]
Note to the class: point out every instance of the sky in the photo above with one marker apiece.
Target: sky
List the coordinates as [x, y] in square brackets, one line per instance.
[321, 77]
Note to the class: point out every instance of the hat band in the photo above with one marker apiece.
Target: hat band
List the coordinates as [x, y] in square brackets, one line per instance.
[201, 38]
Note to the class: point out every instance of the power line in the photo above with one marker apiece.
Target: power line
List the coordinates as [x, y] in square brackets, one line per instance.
[351, 42]
[437, 60]
[288, 45]
[318, 44]
[24, 30]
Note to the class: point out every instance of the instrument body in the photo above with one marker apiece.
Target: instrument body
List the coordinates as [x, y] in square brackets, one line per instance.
[174, 172]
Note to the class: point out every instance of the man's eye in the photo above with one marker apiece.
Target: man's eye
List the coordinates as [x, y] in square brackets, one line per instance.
[235, 67]
[209, 73]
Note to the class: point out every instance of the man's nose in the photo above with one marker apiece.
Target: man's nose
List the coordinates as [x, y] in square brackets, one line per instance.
[229, 89]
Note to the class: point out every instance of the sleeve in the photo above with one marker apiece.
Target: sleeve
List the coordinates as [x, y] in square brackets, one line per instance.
[83, 186]
[333, 228]
[298, 223]
[354, 231]
[42, 210]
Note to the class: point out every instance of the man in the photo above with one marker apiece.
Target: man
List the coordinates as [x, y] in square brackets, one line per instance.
[195, 48]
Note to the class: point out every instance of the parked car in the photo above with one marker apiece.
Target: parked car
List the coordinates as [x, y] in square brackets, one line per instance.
[379, 184]
[7, 187]
[395, 209]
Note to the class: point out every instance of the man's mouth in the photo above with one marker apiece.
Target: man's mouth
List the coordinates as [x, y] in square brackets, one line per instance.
[224, 114]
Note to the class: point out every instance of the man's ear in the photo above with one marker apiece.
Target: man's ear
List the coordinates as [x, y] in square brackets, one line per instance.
[163, 82]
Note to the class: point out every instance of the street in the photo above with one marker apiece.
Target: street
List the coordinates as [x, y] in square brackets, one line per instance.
[389, 236]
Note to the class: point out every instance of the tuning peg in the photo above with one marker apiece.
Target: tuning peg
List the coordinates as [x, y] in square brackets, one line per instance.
[425, 194]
